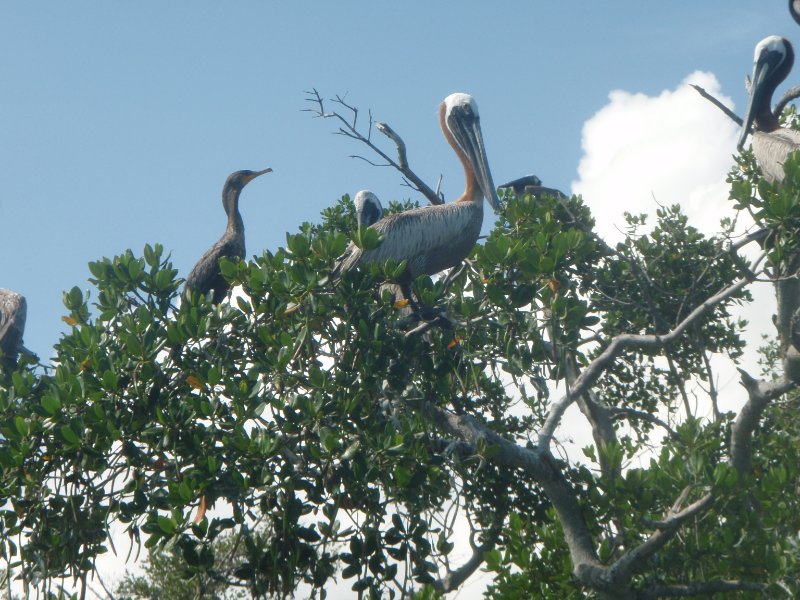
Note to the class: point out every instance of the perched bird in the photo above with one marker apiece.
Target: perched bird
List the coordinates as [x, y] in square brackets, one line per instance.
[434, 238]
[206, 275]
[13, 312]
[368, 208]
[518, 185]
[531, 184]
[772, 143]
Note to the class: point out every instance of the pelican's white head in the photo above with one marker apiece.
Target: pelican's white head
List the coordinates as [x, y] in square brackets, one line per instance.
[368, 208]
[461, 125]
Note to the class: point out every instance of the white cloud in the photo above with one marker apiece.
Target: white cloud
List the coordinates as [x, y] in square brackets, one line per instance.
[641, 151]
[644, 151]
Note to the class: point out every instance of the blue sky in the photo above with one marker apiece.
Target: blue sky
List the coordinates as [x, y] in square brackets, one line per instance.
[120, 122]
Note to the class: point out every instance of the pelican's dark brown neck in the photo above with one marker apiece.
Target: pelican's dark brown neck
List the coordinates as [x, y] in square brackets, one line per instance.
[766, 120]
[472, 191]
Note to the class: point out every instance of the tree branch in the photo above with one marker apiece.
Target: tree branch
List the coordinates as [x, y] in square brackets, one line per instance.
[417, 183]
[759, 395]
[349, 129]
[453, 579]
[618, 345]
[732, 115]
[541, 465]
[791, 94]
[622, 570]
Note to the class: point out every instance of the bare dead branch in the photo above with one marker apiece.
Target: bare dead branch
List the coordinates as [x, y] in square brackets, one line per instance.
[732, 115]
[619, 344]
[417, 183]
[402, 159]
[349, 128]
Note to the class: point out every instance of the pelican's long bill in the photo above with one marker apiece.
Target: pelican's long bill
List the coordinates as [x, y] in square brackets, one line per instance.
[464, 123]
[770, 57]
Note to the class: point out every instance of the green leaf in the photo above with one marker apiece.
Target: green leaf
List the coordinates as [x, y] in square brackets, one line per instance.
[69, 435]
[167, 524]
[50, 404]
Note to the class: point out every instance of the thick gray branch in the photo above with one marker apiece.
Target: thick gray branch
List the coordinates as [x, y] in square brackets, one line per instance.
[618, 345]
[630, 562]
[456, 577]
[759, 395]
[542, 467]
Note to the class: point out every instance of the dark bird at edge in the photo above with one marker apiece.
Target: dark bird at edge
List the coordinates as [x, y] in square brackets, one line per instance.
[206, 276]
[531, 184]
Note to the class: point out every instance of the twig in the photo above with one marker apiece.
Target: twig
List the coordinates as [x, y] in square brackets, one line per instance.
[732, 115]
[349, 129]
[620, 412]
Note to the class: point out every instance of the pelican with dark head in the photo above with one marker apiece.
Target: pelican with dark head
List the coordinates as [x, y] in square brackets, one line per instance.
[435, 238]
[13, 312]
[368, 208]
[206, 276]
[772, 143]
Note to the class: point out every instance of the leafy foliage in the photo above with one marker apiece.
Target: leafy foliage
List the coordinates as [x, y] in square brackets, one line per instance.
[306, 417]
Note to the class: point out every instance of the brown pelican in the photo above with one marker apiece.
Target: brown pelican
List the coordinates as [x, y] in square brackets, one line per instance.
[434, 238]
[206, 275]
[368, 208]
[531, 184]
[772, 144]
[13, 311]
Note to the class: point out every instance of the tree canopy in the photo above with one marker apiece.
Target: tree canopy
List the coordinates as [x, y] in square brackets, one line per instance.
[324, 433]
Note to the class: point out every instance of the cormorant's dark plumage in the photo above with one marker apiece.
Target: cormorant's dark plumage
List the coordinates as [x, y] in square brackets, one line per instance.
[206, 274]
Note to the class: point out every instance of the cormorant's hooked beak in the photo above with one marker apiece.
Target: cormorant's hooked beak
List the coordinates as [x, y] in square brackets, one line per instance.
[469, 136]
[255, 174]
